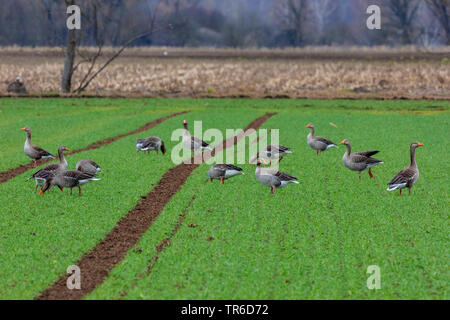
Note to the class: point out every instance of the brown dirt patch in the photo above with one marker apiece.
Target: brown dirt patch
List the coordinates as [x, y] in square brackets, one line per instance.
[96, 264]
[12, 173]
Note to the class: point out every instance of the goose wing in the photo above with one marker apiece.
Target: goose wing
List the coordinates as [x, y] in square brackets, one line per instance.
[367, 153]
[283, 176]
[196, 140]
[323, 140]
[404, 176]
[41, 152]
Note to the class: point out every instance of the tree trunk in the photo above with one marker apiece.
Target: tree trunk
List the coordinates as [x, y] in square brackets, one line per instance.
[66, 81]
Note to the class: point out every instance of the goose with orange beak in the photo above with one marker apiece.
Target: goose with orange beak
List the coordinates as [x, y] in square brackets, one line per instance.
[406, 177]
[273, 178]
[42, 175]
[34, 152]
[359, 161]
[318, 143]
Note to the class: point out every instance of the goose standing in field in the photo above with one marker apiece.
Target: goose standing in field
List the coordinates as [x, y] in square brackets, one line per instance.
[88, 166]
[192, 142]
[68, 179]
[273, 178]
[318, 143]
[407, 177]
[42, 175]
[271, 152]
[139, 144]
[223, 171]
[359, 161]
[151, 143]
[17, 87]
[34, 152]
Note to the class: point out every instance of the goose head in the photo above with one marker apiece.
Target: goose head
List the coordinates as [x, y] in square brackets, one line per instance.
[346, 142]
[311, 126]
[415, 145]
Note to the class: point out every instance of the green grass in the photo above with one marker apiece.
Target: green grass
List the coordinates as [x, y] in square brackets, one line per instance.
[313, 240]
[54, 230]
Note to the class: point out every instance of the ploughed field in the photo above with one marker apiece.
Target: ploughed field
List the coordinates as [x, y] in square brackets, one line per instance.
[236, 240]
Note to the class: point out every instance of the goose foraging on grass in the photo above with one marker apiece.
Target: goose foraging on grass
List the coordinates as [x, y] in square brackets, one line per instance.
[68, 179]
[34, 152]
[359, 161]
[151, 143]
[192, 142]
[318, 143]
[88, 166]
[406, 177]
[271, 152]
[273, 178]
[223, 171]
[42, 175]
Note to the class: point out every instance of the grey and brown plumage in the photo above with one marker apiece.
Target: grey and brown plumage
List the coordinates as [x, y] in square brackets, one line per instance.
[273, 178]
[88, 166]
[17, 87]
[223, 171]
[151, 143]
[42, 175]
[359, 161]
[68, 179]
[406, 177]
[191, 142]
[271, 152]
[33, 151]
[318, 143]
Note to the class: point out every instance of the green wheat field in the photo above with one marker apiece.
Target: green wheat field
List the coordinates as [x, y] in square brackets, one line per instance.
[314, 240]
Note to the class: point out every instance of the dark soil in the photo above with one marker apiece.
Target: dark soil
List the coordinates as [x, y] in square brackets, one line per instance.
[12, 173]
[96, 264]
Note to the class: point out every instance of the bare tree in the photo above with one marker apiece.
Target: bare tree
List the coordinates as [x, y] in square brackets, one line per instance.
[441, 10]
[69, 59]
[92, 59]
[293, 15]
[402, 18]
[323, 11]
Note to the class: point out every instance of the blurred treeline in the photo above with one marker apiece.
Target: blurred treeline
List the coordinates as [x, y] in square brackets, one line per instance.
[228, 23]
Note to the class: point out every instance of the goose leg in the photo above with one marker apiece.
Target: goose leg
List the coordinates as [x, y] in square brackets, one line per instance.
[79, 191]
[35, 189]
[274, 190]
[359, 175]
[211, 179]
[409, 190]
[221, 180]
[370, 173]
[61, 188]
[271, 190]
[70, 191]
[35, 164]
[400, 191]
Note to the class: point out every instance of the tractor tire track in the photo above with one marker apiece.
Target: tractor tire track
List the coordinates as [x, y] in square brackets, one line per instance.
[12, 173]
[96, 264]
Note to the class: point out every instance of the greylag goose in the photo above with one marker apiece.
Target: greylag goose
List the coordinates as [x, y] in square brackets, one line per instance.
[139, 143]
[223, 171]
[192, 142]
[318, 143]
[151, 143]
[42, 175]
[68, 179]
[407, 177]
[359, 161]
[271, 152]
[273, 178]
[17, 87]
[88, 166]
[34, 152]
